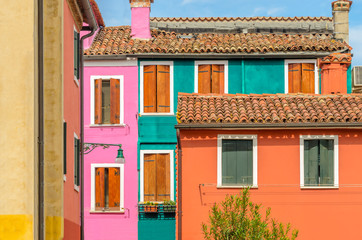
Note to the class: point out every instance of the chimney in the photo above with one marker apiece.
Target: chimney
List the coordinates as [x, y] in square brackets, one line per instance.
[140, 22]
[340, 10]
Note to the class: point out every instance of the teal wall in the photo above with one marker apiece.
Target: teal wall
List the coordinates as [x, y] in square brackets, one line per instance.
[152, 229]
[349, 79]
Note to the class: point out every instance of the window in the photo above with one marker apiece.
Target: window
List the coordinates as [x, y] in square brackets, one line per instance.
[211, 77]
[156, 88]
[319, 161]
[237, 160]
[76, 160]
[76, 55]
[107, 187]
[157, 175]
[301, 76]
[107, 100]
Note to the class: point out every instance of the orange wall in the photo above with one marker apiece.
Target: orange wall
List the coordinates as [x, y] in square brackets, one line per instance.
[71, 116]
[318, 214]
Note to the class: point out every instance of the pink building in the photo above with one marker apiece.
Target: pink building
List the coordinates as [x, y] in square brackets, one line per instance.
[110, 116]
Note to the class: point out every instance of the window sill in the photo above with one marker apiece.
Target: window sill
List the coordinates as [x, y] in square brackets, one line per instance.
[106, 211]
[76, 81]
[106, 125]
[76, 188]
[156, 114]
[240, 186]
[64, 178]
[319, 187]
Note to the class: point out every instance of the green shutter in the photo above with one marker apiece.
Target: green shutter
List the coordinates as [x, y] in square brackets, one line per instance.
[237, 162]
[76, 54]
[311, 176]
[76, 161]
[64, 148]
[326, 162]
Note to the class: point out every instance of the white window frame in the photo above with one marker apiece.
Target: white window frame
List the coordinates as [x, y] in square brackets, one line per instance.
[121, 185]
[164, 63]
[286, 73]
[121, 99]
[226, 73]
[335, 159]
[76, 188]
[221, 137]
[172, 178]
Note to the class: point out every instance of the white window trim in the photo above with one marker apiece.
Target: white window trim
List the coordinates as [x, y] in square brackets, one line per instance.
[168, 63]
[286, 73]
[121, 185]
[142, 153]
[76, 81]
[226, 73]
[121, 99]
[76, 188]
[335, 159]
[255, 159]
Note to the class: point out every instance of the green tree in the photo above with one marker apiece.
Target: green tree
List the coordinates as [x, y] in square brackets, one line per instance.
[238, 218]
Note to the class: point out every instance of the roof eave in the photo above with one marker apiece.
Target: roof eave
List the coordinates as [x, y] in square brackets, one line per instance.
[296, 55]
[266, 126]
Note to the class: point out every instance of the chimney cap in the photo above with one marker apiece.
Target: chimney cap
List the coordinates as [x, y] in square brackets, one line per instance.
[341, 5]
[140, 3]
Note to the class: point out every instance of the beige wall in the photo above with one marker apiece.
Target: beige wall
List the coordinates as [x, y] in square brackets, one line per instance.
[18, 108]
[18, 105]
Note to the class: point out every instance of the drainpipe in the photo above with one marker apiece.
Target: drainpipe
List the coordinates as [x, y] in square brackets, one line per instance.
[92, 28]
[179, 186]
[40, 123]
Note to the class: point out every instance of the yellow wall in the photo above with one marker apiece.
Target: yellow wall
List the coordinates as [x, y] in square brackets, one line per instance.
[18, 105]
[18, 108]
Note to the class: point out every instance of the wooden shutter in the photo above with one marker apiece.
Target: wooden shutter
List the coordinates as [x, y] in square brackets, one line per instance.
[98, 101]
[99, 188]
[217, 85]
[307, 78]
[149, 177]
[115, 98]
[149, 89]
[204, 79]
[163, 88]
[311, 176]
[64, 147]
[295, 77]
[326, 162]
[229, 169]
[163, 177]
[114, 189]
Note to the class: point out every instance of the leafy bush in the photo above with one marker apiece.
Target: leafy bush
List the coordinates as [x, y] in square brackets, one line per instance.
[238, 218]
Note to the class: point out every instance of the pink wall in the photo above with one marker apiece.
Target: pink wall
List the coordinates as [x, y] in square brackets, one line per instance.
[71, 116]
[113, 225]
[140, 27]
[88, 41]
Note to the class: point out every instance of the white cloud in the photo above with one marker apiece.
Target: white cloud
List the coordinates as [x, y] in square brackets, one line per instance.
[275, 11]
[187, 1]
[261, 11]
[355, 40]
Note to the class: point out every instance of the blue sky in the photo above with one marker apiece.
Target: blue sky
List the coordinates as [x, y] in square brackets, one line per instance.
[117, 12]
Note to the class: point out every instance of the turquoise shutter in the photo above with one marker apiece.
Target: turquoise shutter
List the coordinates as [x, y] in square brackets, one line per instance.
[326, 162]
[311, 176]
[237, 162]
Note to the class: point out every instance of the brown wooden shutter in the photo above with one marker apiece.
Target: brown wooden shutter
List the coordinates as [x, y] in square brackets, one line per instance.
[308, 78]
[149, 88]
[114, 188]
[98, 101]
[295, 77]
[99, 188]
[163, 177]
[217, 79]
[163, 88]
[204, 79]
[149, 177]
[115, 94]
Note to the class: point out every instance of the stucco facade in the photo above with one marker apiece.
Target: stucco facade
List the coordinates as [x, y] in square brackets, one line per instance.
[122, 224]
[316, 213]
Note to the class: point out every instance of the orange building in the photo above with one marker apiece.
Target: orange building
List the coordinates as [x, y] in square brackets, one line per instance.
[300, 154]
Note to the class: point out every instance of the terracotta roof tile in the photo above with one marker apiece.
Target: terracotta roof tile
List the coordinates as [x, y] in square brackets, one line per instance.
[97, 13]
[117, 40]
[263, 109]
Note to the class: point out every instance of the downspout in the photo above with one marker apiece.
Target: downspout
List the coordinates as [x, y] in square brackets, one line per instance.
[92, 27]
[40, 63]
[179, 186]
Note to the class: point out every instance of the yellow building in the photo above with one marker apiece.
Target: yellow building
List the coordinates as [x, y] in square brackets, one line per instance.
[31, 137]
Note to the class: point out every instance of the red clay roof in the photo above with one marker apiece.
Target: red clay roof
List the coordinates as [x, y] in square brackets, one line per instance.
[228, 19]
[117, 40]
[97, 13]
[281, 109]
